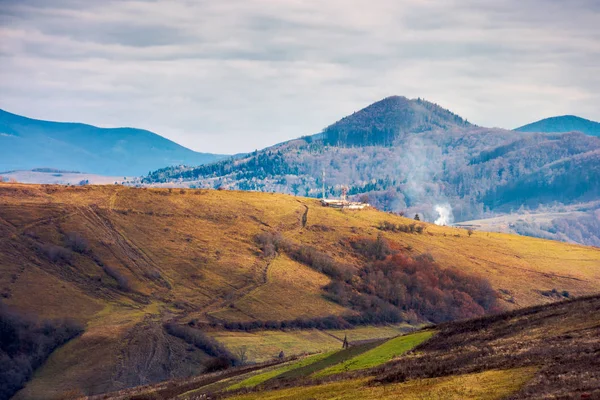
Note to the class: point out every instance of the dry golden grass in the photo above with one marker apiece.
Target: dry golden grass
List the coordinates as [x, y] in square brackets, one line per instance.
[486, 385]
[193, 253]
[266, 345]
[291, 290]
[371, 332]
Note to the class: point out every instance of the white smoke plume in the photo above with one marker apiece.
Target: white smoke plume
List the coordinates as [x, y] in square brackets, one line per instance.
[445, 214]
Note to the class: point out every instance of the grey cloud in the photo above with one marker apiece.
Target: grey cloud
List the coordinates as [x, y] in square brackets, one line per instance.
[229, 76]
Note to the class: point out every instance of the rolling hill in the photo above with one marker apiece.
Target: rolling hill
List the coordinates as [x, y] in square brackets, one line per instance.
[414, 156]
[565, 123]
[27, 143]
[166, 282]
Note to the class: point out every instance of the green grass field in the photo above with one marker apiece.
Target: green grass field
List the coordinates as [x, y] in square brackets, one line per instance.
[260, 378]
[380, 354]
[265, 345]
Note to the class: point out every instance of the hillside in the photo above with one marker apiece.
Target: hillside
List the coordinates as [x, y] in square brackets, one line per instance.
[227, 268]
[413, 156]
[546, 351]
[27, 143]
[565, 123]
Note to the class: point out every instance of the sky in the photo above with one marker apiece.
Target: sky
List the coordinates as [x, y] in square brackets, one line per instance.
[229, 76]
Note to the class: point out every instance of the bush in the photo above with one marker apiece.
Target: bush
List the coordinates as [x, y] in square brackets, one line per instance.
[377, 249]
[122, 281]
[197, 338]
[25, 343]
[77, 243]
[216, 364]
[329, 322]
[55, 253]
[410, 228]
[321, 262]
[270, 243]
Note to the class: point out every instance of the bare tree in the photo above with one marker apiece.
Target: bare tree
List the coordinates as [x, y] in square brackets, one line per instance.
[241, 354]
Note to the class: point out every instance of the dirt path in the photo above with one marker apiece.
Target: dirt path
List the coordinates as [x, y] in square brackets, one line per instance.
[20, 230]
[218, 304]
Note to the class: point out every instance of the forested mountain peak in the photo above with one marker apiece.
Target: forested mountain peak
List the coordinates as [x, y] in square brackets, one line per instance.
[564, 123]
[383, 122]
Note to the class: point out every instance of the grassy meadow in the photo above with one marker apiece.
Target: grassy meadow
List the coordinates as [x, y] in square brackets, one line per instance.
[380, 354]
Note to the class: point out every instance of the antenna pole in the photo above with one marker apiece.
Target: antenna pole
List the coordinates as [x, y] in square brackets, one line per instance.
[323, 183]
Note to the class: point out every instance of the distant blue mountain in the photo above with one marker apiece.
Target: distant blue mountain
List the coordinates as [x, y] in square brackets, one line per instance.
[565, 123]
[29, 143]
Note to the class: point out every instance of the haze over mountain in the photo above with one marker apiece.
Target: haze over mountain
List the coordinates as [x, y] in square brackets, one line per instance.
[27, 143]
[415, 156]
[565, 123]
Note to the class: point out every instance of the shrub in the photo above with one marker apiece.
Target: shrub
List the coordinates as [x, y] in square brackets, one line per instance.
[320, 262]
[77, 243]
[197, 338]
[55, 253]
[270, 243]
[25, 343]
[122, 281]
[377, 249]
[216, 364]
[411, 228]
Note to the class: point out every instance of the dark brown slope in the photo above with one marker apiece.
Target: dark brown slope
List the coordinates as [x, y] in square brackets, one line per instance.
[562, 340]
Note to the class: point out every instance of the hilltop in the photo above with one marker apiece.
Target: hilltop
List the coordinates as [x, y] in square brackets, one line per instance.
[27, 143]
[412, 156]
[383, 122]
[224, 269]
[565, 123]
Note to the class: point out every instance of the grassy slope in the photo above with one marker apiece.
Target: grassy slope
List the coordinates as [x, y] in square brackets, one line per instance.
[191, 254]
[547, 351]
[380, 354]
[291, 290]
[260, 378]
[485, 386]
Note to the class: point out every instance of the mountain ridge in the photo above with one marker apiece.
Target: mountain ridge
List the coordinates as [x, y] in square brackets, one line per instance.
[563, 124]
[27, 143]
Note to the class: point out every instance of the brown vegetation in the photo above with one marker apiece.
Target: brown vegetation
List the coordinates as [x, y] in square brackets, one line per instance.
[223, 358]
[563, 340]
[25, 343]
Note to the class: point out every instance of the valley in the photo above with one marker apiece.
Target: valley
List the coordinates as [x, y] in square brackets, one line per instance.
[538, 352]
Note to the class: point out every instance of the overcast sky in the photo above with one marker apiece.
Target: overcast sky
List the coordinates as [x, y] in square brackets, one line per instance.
[230, 76]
